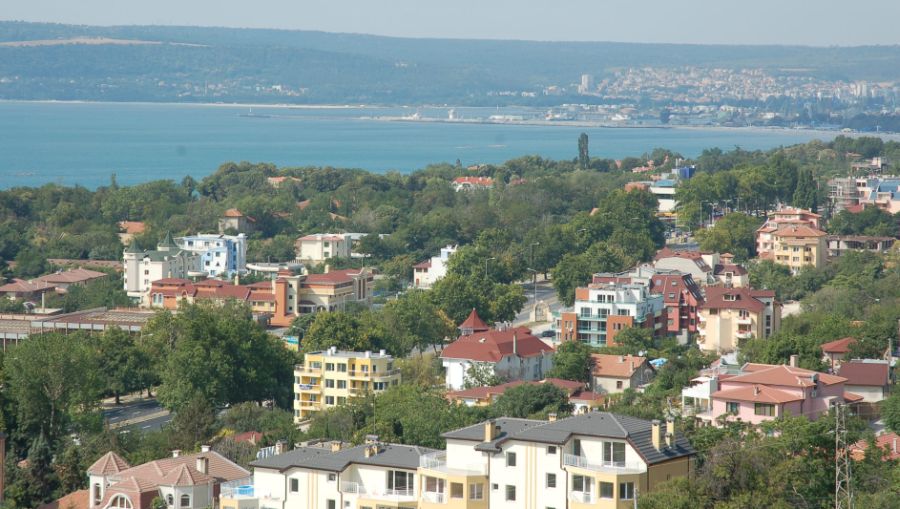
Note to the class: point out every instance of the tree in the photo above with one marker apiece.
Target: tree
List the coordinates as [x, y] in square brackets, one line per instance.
[574, 270]
[456, 296]
[193, 423]
[735, 233]
[572, 361]
[481, 374]
[415, 321]
[346, 331]
[890, 412]
[30, 263]
[584, 157]
[806, 195]
[635, 339]
[532, 401]
[118, 361]
[52, 379]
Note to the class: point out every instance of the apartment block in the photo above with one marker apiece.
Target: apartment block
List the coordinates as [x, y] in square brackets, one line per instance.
[220, 255]
[142, 267]
[841, 244]
[798, 246]
[316, 249]
[730, 315]
[592, 460]
[608, 306]
[333, 377]
[427, 273]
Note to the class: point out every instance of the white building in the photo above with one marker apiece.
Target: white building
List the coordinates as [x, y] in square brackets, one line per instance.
[220, 255]
[512, 353]
[317, 248]
[168, 261]
[331, 476]
[427, 273]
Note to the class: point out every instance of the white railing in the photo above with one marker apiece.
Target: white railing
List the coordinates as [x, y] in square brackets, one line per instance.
[406, 493]
[435, 497]
[352, 487]
[602, 466]
[581, 496]
[438, 461]
[239, 488]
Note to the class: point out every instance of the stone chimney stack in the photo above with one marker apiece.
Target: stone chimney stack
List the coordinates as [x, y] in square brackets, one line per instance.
[490, 430]
[670, 432]
[336, 445]
[655, 434]
[280, 447]
[551, 417]
[176, 453]
[204, 448]
[203, 464]
[795, 360]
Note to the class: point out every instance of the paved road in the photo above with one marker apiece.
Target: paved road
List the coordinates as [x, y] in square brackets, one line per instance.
[137, 415]
[545, 292]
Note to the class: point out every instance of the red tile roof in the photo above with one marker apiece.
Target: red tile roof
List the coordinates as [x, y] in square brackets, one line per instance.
[332, 278]
[474, 323]
[22, 286]
[423, 265]
[132, 227]
[889, 442]
[233, 213]
[799, 231]
[735, 298]
[253, 437]
[493, 345]
[838, 346]
[782, 375]
[616, 366]
[575, 390]
[72, 276]
[872, 374]
[109, 463]
[757, 393]
[322, 236]
[75, 500]
[475, 181]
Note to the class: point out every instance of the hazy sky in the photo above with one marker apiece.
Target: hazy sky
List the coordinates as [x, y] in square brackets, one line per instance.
[813, 22]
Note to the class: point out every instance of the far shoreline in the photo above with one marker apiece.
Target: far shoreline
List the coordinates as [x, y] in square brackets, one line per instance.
[830, 134]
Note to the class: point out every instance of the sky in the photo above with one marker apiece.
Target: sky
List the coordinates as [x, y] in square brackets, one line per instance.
[805, 22]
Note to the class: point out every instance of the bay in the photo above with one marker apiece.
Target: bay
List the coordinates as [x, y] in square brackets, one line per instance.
[84, 143]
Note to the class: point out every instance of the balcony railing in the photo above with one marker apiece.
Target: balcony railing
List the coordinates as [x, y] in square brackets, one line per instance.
[437, 461]
[434, 497]
[239, 488]
[352, 487]
[582, 497]
[307, 387]
[376, 374]
[603, 466]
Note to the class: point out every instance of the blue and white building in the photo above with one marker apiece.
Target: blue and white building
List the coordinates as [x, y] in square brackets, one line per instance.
[220, 255]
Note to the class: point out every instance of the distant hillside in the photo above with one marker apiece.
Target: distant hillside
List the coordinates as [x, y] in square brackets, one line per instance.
[225, 64]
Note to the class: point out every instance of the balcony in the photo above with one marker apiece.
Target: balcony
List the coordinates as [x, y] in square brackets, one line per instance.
[307, 388]
[305, 403]
[606, 467]
[744, 334]
[582, 497]
[437, 461]
[370, 374]
[744, 320]
[352, 487]
[435, 497]
[239, 488]
[302, 369]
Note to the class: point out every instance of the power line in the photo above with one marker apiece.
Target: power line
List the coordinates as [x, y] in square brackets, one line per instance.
[843, 496]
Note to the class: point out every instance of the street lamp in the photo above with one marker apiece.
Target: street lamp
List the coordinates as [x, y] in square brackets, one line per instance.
[486, 266]
[534, 278]
[534, 285]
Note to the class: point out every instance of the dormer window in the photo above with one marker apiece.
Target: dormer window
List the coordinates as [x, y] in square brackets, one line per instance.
[730, 297]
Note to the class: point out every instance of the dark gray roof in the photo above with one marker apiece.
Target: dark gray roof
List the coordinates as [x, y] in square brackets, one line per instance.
[320, 458]
[508, 426]
[593, 424]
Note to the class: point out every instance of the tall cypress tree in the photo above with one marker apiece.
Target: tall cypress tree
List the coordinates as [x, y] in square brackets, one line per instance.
[584, 157]
[806, 194]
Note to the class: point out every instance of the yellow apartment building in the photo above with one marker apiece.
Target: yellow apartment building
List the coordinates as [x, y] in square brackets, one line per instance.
[330, 378]
[798, 246]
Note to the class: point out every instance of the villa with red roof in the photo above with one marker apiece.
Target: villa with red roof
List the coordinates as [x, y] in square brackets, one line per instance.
[234, 219]
[836, 351]
[315, 249]
[472, 183]
[612, 374]
[763, 392]
[185, 481]
[512, 353]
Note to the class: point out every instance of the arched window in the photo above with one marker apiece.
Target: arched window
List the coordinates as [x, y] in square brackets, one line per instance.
[119, 502]
[97, 493]
[170, 500]
[185, 501]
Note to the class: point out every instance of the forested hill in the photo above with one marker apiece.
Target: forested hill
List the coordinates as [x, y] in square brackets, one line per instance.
[227, 64]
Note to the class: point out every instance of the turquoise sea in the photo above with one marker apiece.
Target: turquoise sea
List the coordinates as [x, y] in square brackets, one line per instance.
[83, 143]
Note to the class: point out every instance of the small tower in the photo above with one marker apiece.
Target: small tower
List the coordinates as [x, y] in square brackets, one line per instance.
[132, 259]
[473, 324]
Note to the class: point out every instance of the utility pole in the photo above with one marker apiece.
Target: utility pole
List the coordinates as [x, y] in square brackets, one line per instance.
[843, 497]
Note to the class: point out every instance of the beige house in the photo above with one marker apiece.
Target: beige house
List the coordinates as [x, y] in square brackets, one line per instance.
[730, 315]
[315, 249]
[798, 246]
[612, 374]
[331, 378]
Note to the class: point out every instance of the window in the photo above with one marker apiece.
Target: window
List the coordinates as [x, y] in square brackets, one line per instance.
[295, 485]
[732, 407]
[551, 449]
[618, 384]
[329, 366]
[329, 400]
[581, 483]
[399, 481]
[342, 368]
[614, 452]
[764, 409]
[185, 501]
[576, 447]
[434, 485]
[97, 495]
[510, 493]
[329, 383]
[341, 384]
[495, 486]
[606, 490]
[332, 477]
[626, 490]
[551, 480]
[332, 504]
[476, 491]
[510, 459]
[122, 502]
[456, 490]
[341, 400]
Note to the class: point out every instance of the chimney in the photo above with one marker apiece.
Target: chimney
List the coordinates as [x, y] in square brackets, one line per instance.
[204, 448]
[336, 445]
[655, 432]
[371, 450]
[515, 343]
[490, 430]
[371, 439]
[794, 360]
[237, 279]
[280, 447]
[621, 359]
[551, 417]
[670, 432]
[203, 464]
[368, 353]
[756, 390]
[176, 453]
[327, 268]
[382, 352]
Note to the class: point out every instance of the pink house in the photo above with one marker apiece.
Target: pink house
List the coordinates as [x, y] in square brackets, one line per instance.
[763, 392]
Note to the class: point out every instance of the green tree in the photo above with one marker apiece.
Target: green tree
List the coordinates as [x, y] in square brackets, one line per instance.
[52, 379]
[735, 233]
[584, 157]
[635, 339]
[194, 423]
[806, 195]
[346, 331]
[480, 374]
[572, 361]
[890, 412]
[532, 401]
[30, 263]
[574, 271]
[414, 321]
[118, 361]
